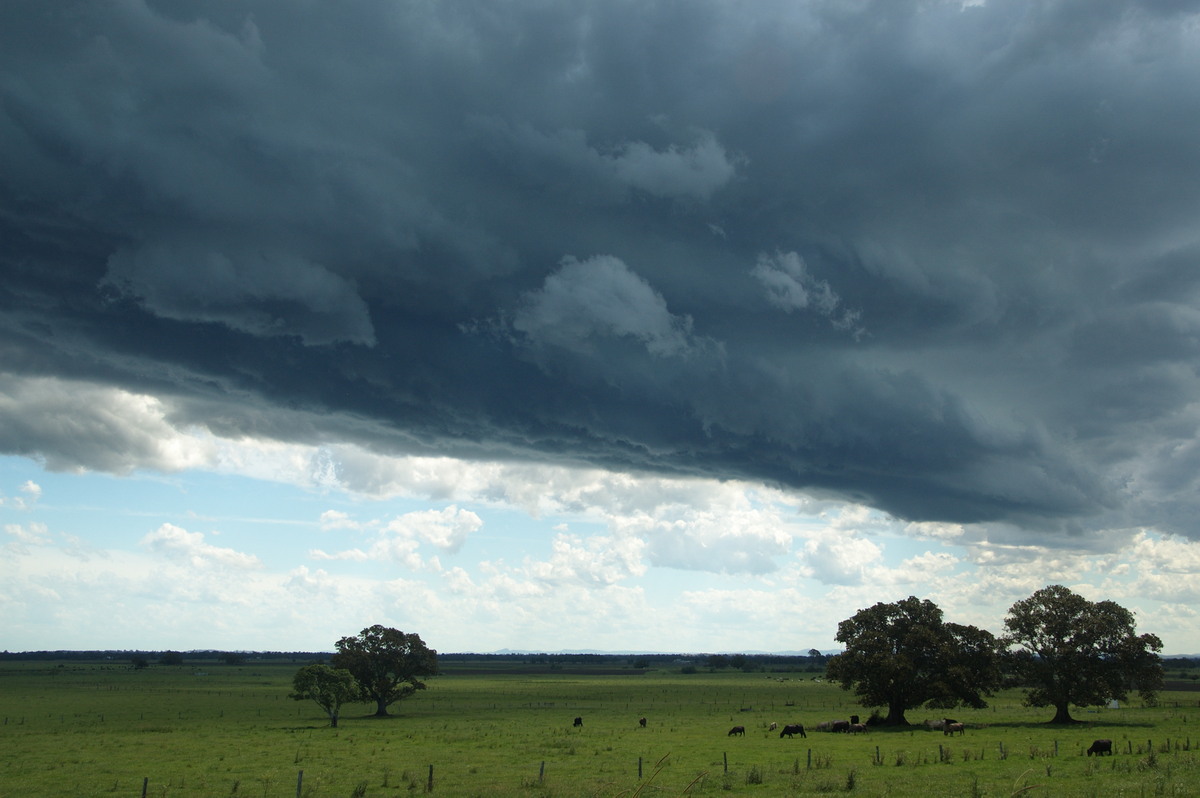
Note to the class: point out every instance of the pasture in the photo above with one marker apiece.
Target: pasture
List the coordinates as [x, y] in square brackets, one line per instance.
[209, 729]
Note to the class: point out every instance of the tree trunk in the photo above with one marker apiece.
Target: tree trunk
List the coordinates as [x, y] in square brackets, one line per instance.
[381, 708]
[1062, 714]
[333, 716]
[895, 716]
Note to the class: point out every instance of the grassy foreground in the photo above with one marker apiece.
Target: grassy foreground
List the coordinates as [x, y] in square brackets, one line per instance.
[103, 729]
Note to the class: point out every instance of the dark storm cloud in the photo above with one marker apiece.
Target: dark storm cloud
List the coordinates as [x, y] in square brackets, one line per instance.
[937, 258]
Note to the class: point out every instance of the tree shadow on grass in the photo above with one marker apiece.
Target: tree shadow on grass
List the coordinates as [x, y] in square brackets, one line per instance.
[1031, 725]
[310, 727]
[1045, 725]
[1075, 724]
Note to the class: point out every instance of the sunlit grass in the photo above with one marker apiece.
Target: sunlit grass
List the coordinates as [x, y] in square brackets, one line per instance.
[99, 730]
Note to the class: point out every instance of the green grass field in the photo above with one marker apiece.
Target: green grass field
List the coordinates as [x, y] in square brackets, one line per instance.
[208, 729]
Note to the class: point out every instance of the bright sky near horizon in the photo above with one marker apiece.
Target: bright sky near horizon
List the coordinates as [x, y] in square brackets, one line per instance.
[236, 559]
[596, 324]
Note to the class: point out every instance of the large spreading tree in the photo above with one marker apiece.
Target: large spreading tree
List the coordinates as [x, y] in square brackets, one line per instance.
[1068, 650]
[329, 687]
[387, 664]
[903, 655]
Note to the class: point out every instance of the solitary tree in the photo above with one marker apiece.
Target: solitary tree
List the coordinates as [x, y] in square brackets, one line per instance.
[903, 655]
[1069, 650]
[329, 687]
[386, 663]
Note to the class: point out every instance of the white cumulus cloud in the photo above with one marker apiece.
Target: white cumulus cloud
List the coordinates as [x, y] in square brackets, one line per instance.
[178, 543]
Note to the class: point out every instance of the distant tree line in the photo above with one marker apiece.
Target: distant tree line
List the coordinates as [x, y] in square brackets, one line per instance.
[814, 662]
[151, 655]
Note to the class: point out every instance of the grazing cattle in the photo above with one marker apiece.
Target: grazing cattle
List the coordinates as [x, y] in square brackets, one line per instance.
[857, 728]
[951, 729]
[853, 719]
[793, 728]
[737, 730]
[642, 722]
[578, 721]
[840, 726]
[825, 725]
[1100, 747]
[773, 727]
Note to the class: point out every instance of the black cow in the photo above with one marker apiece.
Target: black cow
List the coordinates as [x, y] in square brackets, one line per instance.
[792, 728]
[1100, 747]
[642, 722]
[840, 726]
[578, 721]
[737, 730]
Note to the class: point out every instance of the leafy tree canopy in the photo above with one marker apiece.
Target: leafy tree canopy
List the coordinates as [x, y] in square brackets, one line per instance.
[903, 655]
[1069, 650]
[387, 664]
[327, 686]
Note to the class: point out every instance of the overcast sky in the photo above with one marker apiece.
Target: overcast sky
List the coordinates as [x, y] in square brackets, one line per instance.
[691, 325]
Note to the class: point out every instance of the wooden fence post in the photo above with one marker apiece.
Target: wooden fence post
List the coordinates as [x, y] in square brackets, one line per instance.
[639, 768]
[725, 756]
[145, 784]
[429, 787]
[299, 783]
[542, 772]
